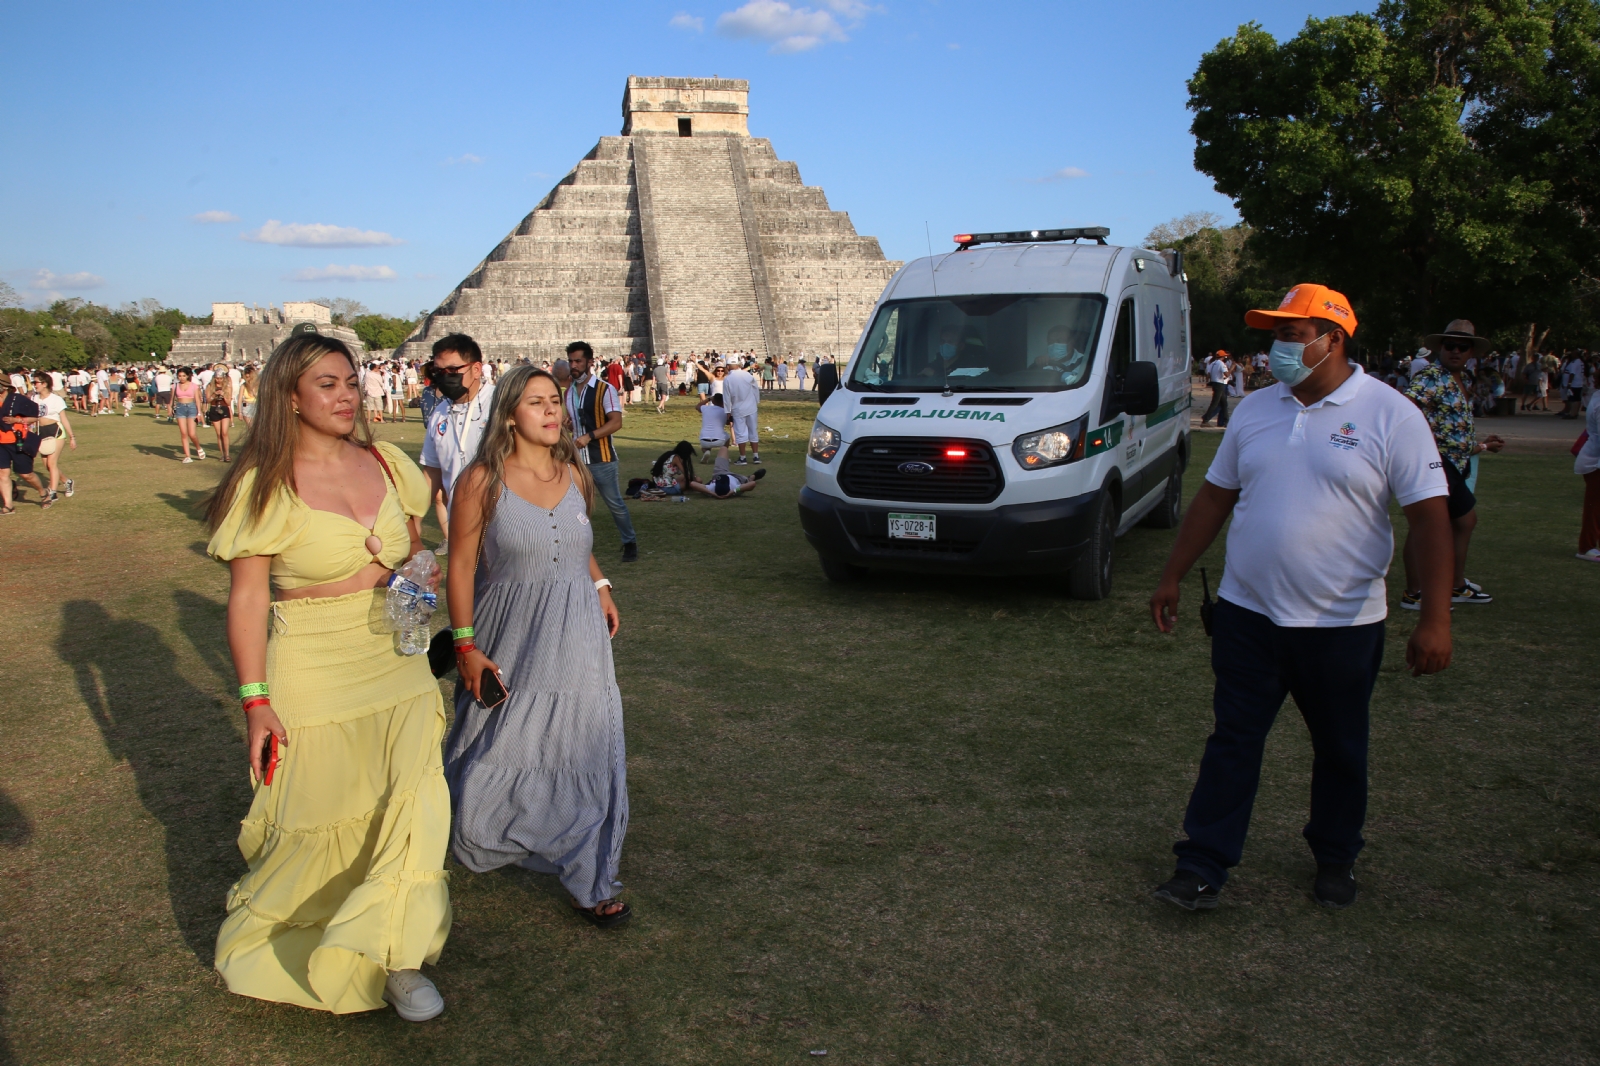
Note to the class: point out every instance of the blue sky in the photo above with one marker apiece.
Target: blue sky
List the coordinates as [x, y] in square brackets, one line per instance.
[201, 152]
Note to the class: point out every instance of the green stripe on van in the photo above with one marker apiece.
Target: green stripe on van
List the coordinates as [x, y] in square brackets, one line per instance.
[1167, 410]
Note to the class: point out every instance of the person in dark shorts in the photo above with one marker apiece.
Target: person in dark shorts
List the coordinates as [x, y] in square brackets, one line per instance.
[1443, 397]
[15, 412]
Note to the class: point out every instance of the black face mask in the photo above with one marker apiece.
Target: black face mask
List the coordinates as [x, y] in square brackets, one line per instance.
[450, 385]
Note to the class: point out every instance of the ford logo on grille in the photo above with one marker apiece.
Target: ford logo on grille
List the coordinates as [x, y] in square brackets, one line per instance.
[915, 468]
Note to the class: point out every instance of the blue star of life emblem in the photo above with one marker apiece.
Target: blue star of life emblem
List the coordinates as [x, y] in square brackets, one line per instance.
[1160, 339]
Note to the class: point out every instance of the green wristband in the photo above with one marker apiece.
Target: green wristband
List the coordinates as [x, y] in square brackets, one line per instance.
[255, 688]
[463, 633]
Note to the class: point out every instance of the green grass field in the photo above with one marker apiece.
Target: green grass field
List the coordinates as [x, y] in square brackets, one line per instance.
[910, 821]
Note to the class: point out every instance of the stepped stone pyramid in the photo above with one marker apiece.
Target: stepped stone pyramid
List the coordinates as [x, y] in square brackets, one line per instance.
[683, 234]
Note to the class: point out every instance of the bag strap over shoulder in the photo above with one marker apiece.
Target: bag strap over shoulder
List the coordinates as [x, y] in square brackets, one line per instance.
[376, 454]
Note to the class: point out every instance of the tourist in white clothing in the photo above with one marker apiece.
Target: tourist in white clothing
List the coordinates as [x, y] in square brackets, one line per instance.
[1306, 470]
[742, 397]
[456, 427]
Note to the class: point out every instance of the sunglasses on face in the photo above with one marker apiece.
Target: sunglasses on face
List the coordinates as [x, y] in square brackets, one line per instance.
[1456, 346]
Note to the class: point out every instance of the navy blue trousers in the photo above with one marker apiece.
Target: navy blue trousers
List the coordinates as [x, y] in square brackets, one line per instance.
[1330, 672]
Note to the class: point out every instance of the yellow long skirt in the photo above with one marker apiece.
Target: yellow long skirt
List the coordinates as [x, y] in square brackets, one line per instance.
[346, 846]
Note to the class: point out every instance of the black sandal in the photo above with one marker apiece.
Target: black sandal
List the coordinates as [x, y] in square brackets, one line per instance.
[605, 921]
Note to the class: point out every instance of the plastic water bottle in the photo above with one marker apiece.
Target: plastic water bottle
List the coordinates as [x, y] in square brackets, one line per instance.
[411, 601]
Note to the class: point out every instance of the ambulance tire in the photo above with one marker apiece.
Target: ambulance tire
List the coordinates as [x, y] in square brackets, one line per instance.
[1090, 576]
[1169, 512]
[839, 572]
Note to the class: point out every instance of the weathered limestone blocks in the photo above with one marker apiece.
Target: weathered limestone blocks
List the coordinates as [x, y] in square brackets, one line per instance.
[685, 233]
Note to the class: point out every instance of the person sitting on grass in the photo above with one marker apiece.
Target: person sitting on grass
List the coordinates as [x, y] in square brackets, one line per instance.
[725, 484]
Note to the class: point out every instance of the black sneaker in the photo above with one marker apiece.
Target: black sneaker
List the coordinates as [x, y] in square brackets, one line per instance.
[630, 552]
[1189, 891]
[1336, 884]
[759, 474]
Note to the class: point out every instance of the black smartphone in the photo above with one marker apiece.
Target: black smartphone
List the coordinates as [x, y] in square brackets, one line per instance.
[491, 690]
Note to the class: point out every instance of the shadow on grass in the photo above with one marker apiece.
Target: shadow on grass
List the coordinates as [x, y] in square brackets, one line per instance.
[205, 623]
[16, 829]
[182, 747]
[161, 451]
[190, 503]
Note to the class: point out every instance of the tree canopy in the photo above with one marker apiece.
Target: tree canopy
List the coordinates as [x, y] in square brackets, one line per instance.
[71, 333]
[1433, 159]
[379, 332]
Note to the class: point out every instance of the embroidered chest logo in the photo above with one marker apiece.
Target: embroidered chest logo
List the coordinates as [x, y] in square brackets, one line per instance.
[1345, 438]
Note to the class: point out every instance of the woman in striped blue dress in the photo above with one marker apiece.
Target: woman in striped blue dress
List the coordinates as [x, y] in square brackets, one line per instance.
[538, 780]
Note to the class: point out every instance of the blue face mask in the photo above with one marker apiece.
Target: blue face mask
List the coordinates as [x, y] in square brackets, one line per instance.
[1055, 352]
[1287, 362]
[947, 351]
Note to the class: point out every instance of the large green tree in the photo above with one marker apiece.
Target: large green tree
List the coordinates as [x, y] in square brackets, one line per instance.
[1432, 159]
[378, 332]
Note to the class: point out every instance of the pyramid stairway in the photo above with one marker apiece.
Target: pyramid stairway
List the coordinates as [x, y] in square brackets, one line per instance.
[662, 243]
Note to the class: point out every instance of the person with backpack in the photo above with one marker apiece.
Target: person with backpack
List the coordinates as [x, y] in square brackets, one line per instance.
[18, 414]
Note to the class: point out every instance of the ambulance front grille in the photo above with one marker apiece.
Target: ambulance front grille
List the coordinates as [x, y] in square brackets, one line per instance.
[872, 470]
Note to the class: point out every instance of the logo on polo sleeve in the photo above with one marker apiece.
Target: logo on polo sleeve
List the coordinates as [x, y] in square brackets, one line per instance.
[1345, 438]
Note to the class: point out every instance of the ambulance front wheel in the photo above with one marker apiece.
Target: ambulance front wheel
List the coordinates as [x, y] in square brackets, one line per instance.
[1090, 576]
[839, 572]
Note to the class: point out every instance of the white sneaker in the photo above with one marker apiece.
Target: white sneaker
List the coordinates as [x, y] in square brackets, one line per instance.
[1590, 556]
[414, 997]
[189, 460]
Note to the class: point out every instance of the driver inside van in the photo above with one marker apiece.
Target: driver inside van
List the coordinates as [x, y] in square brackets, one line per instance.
[1064, 352]
[955, 352]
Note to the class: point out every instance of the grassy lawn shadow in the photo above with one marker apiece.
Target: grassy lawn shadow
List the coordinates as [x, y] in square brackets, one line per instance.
[182, 747]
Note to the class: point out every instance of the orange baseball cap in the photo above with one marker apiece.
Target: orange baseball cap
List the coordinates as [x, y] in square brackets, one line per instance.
[1307, 301]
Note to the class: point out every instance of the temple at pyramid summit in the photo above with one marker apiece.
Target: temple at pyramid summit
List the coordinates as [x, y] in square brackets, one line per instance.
[682, 234]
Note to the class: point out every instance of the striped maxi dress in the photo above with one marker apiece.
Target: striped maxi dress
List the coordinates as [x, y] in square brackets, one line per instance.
[541, 781]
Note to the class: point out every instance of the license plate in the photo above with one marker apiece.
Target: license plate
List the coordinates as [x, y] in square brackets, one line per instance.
[912, 526]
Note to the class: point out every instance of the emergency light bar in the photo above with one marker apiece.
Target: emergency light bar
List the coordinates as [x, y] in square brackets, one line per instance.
[1098, 234]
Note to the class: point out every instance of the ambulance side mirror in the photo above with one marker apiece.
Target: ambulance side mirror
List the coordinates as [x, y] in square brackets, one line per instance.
[1141, 389]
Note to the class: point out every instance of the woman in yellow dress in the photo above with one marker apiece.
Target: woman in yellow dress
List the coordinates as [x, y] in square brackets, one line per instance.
[345, 897]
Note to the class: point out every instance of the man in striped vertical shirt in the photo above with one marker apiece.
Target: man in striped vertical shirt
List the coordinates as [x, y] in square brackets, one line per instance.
[596, 414]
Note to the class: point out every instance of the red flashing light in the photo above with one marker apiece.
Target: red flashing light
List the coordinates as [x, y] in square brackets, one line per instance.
[963, 238]
[955, 453]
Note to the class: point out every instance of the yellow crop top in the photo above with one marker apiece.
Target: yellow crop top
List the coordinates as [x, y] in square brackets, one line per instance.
[311, 547]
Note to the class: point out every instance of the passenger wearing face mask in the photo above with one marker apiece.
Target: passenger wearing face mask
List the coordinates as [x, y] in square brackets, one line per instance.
[947, 356]
[455, 427]
[1306, 470]
[1064, 353]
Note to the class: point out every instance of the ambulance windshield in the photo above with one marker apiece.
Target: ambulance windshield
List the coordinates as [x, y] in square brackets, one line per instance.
[987, 343]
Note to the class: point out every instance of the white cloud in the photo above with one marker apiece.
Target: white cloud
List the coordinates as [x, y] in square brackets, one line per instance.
[332, 272]
[209, 217]
[51, 282]
[791, 29]
[317, 235]
[466, 159]
[1064, 174]
[685, 21]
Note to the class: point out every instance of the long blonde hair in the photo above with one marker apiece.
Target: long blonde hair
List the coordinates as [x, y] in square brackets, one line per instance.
[269, 449]
[500, 440]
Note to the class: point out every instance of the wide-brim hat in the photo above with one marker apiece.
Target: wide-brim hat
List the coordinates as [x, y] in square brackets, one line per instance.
[1458, 330]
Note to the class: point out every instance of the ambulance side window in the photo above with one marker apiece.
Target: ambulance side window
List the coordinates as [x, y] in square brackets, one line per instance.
[1121, 356]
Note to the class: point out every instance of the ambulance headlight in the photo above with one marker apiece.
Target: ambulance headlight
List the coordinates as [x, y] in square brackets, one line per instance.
[1051, 447]
[825, 442]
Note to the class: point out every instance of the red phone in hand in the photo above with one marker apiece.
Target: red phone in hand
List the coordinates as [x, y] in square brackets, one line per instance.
[269, 757]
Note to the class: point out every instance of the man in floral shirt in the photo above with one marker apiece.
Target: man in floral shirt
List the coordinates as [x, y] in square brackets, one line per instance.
[1447, 405]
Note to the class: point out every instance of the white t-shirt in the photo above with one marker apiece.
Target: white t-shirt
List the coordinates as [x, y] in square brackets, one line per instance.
[163, 381]
[50, 406]
[713, 422]
[740, 392]
[454, 430]
[1217, 372]
[1311, 538]
[1418, 365]
[55, 380]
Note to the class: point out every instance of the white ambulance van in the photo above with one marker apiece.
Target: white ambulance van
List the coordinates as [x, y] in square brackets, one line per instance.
[1011, 408]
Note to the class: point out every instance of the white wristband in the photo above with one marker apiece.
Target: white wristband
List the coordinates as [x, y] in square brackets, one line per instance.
[603, 583]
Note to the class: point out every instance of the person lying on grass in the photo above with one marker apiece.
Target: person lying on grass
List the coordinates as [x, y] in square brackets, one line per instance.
[725, 484]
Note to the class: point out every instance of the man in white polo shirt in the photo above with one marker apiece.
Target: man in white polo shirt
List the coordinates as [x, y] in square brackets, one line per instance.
[456, 427]
[1307, 470]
